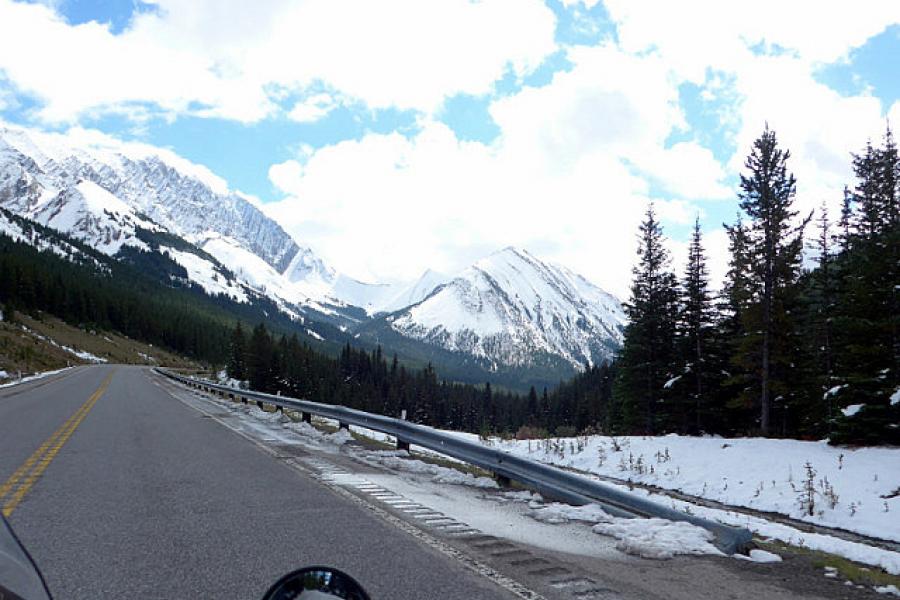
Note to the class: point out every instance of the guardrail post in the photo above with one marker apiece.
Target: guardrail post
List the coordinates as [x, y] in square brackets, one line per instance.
[502, 480]
[243, 399]
[259, 403]
[402, 445]
[342, 425]
[306, 417]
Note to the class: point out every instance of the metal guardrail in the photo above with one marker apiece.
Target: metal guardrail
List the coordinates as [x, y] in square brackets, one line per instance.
[549, 481]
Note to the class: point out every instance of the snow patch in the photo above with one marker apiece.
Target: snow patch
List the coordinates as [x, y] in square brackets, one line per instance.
[852, 409]
[658, 538]
[397, 461]
[759, 556]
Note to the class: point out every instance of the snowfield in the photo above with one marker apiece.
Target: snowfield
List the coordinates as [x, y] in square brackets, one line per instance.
[853, 489]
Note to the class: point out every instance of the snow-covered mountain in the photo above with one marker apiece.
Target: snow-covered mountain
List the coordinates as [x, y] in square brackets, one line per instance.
[104, 192]
[509, 308]
[65, 181]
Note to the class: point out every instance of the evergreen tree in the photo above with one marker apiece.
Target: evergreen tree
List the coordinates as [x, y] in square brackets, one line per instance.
[823, 281]
[647, 355]
[774, 250]
[867, 310]
[237, 354]
[260, 360]
[697, 382]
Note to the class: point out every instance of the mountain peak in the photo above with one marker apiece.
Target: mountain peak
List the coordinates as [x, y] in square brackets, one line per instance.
[512, 308]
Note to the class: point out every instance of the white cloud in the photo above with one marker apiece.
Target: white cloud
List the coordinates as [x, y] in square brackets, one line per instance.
[231, 59]
[818, 125]
[696, 34]
[709, 43]
[563, 178]
[313, 108]
[576, 160]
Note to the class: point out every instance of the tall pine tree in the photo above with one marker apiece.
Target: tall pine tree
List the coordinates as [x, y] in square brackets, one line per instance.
[774, 249]
[699, 378]
[648, 352]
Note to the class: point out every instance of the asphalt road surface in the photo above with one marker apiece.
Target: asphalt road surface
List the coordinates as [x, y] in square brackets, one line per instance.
[145, 498]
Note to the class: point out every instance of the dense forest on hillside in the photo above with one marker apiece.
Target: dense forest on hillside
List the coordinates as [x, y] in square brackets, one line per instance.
[143, 295]
[783, 350]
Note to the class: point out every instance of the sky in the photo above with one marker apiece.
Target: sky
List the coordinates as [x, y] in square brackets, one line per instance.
[401, 135]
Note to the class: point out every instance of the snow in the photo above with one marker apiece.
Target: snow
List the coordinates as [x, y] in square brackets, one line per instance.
[415, 292]
[892, 590]
[852, 409]
[399, 461]
[671, 382]
[34, 377]
[658, 538]
[510, 306]
[205, 274]
[756, 473]
[58, 247]
[895, 397]
[556, 513]
[100, 200]
[82, 354]
[833, 391]
[759, 556]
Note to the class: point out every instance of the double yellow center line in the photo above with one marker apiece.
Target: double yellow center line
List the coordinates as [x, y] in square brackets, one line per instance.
[14, 489]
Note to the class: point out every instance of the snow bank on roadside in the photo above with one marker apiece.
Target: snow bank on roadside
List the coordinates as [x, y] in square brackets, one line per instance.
[398, 460]
[40, 375]
[658, 538]
[857, 489]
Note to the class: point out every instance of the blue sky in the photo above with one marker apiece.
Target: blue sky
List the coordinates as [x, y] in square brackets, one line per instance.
[436, 137]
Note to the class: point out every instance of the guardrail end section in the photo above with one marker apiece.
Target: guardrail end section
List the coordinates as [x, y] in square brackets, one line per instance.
[733, 540]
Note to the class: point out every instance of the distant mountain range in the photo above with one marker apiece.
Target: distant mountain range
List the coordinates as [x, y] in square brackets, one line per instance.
[509, 313]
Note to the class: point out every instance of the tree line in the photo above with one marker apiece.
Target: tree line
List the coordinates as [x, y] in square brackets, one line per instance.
[783, 350]
[370, 381]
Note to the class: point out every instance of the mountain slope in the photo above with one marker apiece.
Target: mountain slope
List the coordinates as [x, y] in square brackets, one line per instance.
[513, 310]
[38, 168]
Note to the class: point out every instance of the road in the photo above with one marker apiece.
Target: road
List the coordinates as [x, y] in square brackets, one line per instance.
[122, 484]
[147, 499]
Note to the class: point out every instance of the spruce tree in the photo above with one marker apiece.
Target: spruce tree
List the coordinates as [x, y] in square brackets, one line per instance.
[867, 312]
[648, 352]
[237, 353]
[775, 244]
[698, 381]
[260, 361]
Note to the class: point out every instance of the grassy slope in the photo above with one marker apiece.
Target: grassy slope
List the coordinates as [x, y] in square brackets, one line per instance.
[21, 348]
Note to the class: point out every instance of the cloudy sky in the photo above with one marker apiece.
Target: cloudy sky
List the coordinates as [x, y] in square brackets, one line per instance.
[399, 135]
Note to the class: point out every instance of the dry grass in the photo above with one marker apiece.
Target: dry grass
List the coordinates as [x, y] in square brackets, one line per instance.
[31, 345]
[846, 569]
